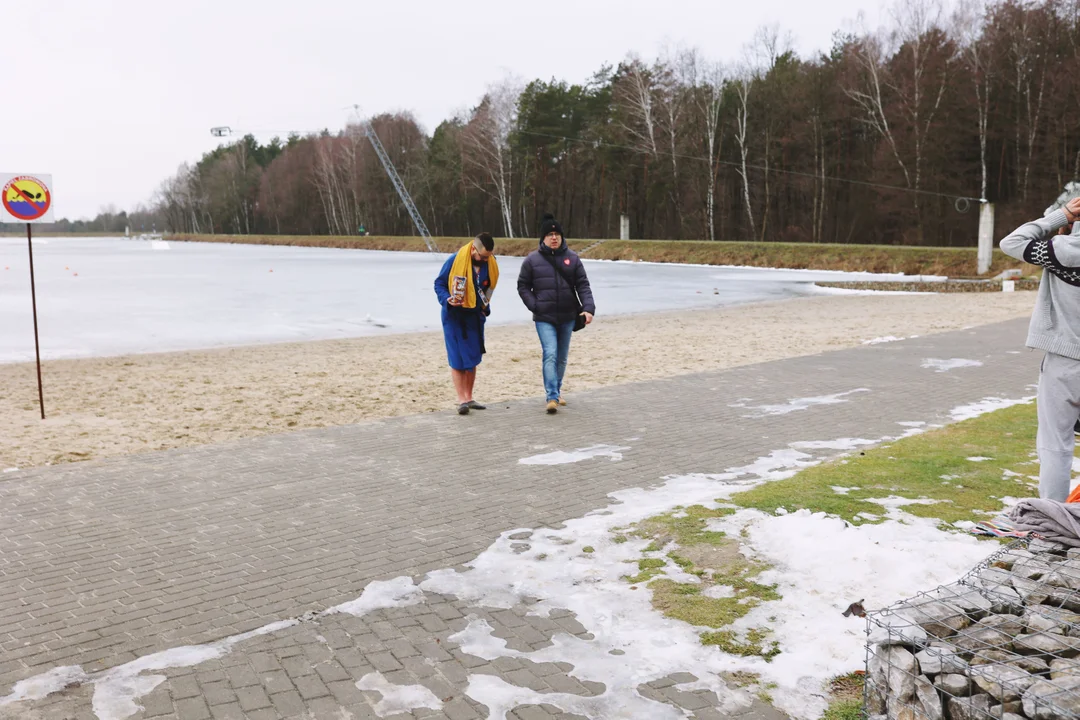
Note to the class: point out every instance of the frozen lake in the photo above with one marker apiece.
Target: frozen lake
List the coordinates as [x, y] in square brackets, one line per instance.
[112, 296]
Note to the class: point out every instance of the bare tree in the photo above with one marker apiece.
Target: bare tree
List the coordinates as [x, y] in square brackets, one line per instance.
[977, 60]
[905, 73]
[742, 84]
[486, 144]
[1027, 53]
[635, 100]
[707, 80]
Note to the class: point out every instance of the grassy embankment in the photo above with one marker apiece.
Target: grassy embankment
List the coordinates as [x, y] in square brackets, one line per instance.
[952, 262]
[934, 466]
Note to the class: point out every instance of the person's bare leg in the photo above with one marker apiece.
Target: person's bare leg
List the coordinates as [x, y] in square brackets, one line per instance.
[464, 391]
[470, 380]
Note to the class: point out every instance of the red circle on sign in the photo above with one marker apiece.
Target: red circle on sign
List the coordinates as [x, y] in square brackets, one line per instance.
[29, 201]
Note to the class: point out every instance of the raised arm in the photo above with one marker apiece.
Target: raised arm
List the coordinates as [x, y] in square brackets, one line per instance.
[1036, 243]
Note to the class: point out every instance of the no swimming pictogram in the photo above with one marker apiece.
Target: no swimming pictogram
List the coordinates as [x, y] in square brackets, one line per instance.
[25, 198]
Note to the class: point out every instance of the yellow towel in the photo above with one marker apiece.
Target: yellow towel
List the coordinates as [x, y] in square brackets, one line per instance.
[462, 267]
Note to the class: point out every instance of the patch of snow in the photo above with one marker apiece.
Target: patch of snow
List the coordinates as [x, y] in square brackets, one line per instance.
[941, 365]
[799, 403]
[41, 686]
[816, 289]
[560, 457]
[987, 404]
[159, 245]
[911, 423]
[894, 501]
[842, 490]
[397, 698]
[979, 458]
[838, 444]
[381, 594]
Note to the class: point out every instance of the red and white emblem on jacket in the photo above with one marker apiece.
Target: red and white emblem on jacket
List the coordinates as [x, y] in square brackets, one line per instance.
[566, 261]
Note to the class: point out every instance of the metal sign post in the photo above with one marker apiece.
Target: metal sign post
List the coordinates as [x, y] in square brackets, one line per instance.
[28, 199]
[33, 303]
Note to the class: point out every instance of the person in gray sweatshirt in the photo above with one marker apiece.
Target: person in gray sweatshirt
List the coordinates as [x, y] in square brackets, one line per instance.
[1055, 328]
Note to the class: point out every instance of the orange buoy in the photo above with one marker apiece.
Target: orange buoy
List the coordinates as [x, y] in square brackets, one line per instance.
[271, 269]
[75, 274]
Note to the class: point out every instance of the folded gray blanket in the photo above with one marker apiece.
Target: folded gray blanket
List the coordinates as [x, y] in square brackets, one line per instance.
[1055, 521]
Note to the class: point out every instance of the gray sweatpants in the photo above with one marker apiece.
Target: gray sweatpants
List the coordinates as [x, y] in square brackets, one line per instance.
[1059, 408]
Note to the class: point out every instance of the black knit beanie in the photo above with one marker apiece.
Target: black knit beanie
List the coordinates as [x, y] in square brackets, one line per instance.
[549, 224]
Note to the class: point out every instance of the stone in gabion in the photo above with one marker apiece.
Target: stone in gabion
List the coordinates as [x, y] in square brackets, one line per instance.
[1015, 707]
[937, 618]
[1031, 592]
[1031, 568]
[1047, 619]
[1048, 644]
[954, 684]
[969, 708]
[1053, 699]
[928, 700]
[1004, 683]
[1062, 668]
[1011, 625]
[983, 640]
[939, 658]
[900, 673]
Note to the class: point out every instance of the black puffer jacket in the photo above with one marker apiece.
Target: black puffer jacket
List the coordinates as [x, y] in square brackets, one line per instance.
[548, 292]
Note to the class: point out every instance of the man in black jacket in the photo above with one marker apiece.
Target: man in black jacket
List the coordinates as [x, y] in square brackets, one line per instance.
[555, 288]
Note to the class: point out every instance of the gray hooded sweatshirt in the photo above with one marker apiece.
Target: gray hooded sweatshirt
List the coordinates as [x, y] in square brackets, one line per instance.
[1055, 324]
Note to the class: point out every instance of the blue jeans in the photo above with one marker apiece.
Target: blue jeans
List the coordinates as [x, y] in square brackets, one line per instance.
[555, 341]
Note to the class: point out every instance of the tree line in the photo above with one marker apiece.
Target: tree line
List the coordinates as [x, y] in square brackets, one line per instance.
[892, 136]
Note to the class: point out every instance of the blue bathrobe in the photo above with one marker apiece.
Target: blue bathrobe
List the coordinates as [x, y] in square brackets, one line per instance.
[463, 328]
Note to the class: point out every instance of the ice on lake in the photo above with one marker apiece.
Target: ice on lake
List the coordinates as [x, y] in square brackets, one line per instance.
[114, 296]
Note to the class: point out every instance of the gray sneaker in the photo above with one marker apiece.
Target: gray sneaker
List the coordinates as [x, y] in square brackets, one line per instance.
[463, 409]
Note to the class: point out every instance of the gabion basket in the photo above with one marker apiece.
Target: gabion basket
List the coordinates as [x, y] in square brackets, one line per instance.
[1003, 642]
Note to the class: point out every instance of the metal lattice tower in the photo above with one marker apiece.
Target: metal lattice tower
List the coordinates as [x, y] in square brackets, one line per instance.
[399, 185]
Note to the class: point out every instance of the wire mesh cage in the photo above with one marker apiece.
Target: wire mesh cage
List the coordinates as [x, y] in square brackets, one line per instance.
[1003, 642]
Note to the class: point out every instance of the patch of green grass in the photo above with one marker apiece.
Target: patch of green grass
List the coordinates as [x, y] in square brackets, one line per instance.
[753, 644]
[619, 539]
[648, 568]
[686, 527]
[684, 601]
[913, 468]
[588, 549]
[845, 698]
[687, 530]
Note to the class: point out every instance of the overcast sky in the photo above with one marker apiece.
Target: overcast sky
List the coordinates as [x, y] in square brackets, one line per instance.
[111, 97]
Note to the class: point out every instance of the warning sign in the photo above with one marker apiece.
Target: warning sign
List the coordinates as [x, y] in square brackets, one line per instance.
[25, 198]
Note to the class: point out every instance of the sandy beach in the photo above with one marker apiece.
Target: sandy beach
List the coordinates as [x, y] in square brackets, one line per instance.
[104, 407]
